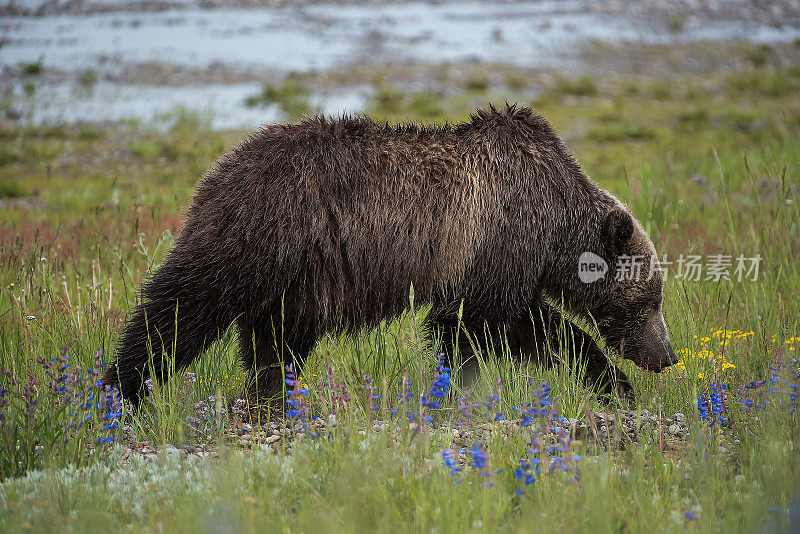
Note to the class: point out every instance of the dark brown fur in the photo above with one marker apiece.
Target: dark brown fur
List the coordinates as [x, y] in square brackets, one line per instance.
[323, 226]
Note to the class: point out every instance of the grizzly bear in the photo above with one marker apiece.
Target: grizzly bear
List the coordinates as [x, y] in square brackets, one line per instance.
[323, 226]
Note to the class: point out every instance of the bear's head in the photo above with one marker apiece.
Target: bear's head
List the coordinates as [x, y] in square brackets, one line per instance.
[628, 304]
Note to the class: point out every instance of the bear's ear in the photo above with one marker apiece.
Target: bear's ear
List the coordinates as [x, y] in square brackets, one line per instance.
[617, 228]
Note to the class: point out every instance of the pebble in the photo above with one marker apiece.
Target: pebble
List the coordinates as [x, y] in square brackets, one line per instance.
[597, 427]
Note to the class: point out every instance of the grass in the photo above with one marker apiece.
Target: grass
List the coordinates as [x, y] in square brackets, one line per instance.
[88, 212]
[292, 97]
[35, 68]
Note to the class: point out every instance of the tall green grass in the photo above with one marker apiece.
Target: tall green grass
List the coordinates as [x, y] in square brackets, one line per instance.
[81, 229]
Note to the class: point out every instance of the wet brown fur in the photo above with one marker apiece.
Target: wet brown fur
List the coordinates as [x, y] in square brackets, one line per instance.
[322, 226]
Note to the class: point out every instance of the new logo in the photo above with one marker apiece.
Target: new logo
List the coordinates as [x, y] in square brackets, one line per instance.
[591, 267]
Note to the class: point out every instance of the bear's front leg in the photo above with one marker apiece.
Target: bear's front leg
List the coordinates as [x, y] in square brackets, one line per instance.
[266, 346]
[601, 372]
[546, 332]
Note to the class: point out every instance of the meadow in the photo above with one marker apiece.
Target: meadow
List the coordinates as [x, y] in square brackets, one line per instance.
[710, 164]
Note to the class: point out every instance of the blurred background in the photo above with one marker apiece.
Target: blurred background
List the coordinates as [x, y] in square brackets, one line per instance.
[236, 64]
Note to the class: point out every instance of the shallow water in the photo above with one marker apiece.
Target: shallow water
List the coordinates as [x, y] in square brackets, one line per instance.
[222, 106]
[320, 37]
[529, 34]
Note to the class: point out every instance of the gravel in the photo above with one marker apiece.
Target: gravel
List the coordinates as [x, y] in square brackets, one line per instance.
[601, 429]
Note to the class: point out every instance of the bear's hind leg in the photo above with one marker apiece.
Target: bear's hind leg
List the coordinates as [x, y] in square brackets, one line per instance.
[180, 315]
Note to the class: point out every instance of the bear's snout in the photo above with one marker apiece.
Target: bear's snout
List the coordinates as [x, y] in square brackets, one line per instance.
[650, 348]
[670, 358]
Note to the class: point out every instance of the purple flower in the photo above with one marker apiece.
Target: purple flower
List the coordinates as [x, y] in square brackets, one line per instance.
[712, 407]
[479, 457]
[368, 385]
[523, 473]
[449, 459]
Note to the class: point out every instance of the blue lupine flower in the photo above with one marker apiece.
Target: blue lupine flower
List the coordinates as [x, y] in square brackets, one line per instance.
[299, 406]
[440, 387]
[479, 457]
[449, 459]
[711, 407]
[523, 473]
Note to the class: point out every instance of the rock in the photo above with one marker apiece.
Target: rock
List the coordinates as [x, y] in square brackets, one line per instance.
[172, 450]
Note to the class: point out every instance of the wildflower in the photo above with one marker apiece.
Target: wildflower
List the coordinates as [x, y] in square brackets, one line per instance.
[711, 407]
[464, 408]
[405, 397]
[239, 406]
[479, 457]
[690, 515]
[368, 385]
[195, 422]
[449, 459]
[703, 407]
[31, 400]
[493, 401]
[407, 394]
[332, 388]
[295, 399]
[440, 387]
[523, 472]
